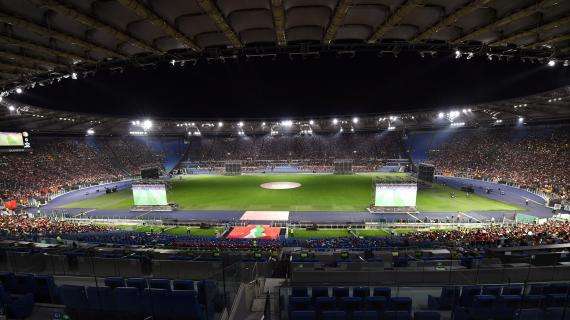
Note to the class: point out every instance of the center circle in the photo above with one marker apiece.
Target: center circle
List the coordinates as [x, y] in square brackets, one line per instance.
[280, 185]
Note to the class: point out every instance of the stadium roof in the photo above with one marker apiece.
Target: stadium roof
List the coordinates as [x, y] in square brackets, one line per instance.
[547, 107]
[42, 40]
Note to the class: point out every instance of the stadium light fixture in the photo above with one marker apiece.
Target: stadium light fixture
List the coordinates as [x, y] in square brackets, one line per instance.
[355, 120]
[335, 121]
[311, 122]
[263, 124]
[74, 75]
[240, 124]
[147, 124]
[457, 54]
[90, 132]
[470, 55]
[391, 128]
[287, 123]
[341, 130]
[19, 90]
[220, 124]
[1, 98]
[551, 63]
[11, 108]
[440, 115]
[521, 119]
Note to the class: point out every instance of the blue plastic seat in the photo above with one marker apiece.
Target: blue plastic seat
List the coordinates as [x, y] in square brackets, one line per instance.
[350, 304]
[160, 284]
[397, 315]
[365, 315]
[427, 315]
[467, 295]
[74, 298]
[128, 302]
[19, 307]
[401, 304]
[159, 301]
[183, 285]
[513, 290]
[555, 300]
[340, 292]
[492, 290]
[185, 305]
[557, 288]
[482, 307]
[379, 304]
[114, 282]
[25, 283]
[300, 292]
[300, 303]
[382, 292]
[361, 292]
[557, 314]
[319, 292]
[101, 301]
[530, 314]
[448, 298]
[45, 289]
[537, 289]
[333, 315]
[139, 283]
[325, 303]
[506, 306]
[8, 281]
[303, 315]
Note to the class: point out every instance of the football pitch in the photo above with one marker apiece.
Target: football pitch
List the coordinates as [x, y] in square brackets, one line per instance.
[318, 192]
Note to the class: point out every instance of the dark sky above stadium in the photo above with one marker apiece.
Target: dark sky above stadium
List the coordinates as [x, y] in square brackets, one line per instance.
[314, 87]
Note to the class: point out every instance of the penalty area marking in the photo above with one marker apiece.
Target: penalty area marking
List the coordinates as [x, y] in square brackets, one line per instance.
[265, 216]
[280, 185]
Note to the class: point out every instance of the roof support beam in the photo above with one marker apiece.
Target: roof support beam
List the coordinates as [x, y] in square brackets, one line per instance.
[534, 31]
[212, 10]
[147, 14]
[550, 40]
[528, 11]
[95, 23]
[279, 21]
[339, 15]
[43, 49]
[34, 62]
[395, 19]
[451, 19]
[22, 23]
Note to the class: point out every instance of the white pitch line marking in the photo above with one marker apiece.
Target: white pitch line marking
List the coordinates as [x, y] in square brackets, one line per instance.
[83, 213]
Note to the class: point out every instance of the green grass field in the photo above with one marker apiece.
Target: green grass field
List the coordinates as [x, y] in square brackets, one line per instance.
[175, 231]
[318, 193]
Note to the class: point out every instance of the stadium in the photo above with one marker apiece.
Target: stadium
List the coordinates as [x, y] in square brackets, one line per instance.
[285, 159]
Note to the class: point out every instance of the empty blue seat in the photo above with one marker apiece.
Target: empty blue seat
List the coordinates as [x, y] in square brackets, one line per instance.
[530, 314]
[19, 307]
[361, 292]
[513, 290]
[300, 292]
[185, 305]
[319, 292]
[159, 284]
[25, 283]
[467, 294]
[482, 307]
[45, 289]
[300, 303]
[555, 300]
[159, 301]
[303, 315]
[401, 304]
[325, 303]
[506, 306]
[339, 292]
[532, 301]
[448, 298]
[74, 298]
[101, 300]
[139, 283]
[183, 285]
[128, 302]
[333, 315]
[382, 292]
[114, 282]
[557, 314]
[397, 315]
[492, 290]
[351, 303]
[8, 281]
[427, 315]
[379, 304]
[537, 289]
[557, 288]
[365, 315]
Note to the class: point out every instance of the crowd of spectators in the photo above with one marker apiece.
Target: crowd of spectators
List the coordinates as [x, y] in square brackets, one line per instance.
[531, 158]
[55, 164]
[24, 227]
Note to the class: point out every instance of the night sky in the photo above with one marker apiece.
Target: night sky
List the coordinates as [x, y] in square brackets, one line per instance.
[285, 88]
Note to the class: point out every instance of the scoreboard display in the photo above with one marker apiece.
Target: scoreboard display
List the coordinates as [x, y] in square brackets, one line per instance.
[14, 141]
[149, 195]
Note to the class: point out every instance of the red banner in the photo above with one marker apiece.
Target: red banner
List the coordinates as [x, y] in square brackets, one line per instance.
[254, 232]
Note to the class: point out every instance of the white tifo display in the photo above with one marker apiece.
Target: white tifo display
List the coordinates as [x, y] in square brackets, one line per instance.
[396, 195]
[149, 195]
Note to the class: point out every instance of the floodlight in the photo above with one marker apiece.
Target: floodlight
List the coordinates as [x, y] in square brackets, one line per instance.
[287, 123]
[551, 63]
[311, 122]
[11, 108]
[220, 124]
[19, 90]
[335, 121]
[74, 76]
[521, 119]
[90, 132]
[1, 98]
[240, 124]
[457, 54]
[146, 125]
[355, 120]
